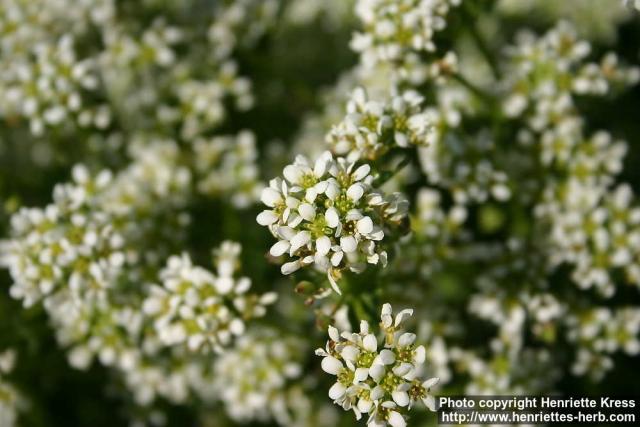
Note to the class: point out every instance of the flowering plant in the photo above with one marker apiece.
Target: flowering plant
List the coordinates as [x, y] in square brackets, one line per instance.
[194, 194]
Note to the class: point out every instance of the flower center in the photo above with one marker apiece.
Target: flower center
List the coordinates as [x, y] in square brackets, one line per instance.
[345, 376]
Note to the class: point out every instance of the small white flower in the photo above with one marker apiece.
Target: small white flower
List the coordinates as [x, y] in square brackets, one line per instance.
[380, 382]
[329, 216]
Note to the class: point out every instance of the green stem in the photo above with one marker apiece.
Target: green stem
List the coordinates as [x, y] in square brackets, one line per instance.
[471, 17]
[359, 309]
[387, 175]
[473, 88]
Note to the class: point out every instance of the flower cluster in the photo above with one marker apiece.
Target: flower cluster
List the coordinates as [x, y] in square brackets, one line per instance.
[398, 31]
[202, 106]
[75, 254]
[545, 72]
[592, 226]
[226, 166]
[467, 167]
[372, 128]
[507, 374]
[377, 377]
[240, 23]
[327, 214]
[599, 333]
[48, 90]
[254, 379]
[201, 309]
[597, 234]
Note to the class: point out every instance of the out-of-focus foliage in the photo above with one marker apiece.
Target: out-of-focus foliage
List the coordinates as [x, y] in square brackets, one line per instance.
[195, 193]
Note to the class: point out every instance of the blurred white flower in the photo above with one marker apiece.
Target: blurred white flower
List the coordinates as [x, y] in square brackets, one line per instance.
[199, 308]
[372, 128]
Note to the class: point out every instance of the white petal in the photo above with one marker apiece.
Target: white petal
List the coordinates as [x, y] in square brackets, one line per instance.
[290, 267]
[402, 369]
[293, 173]
[360, 375]
[320, 167]
[361, 172]
[400, 397]
[396, 420]
[376, 234]
[292, 202]
[321, 352]
[430, 402]
[386, 309]
[331, 365]
[353, 215]
[333, 283]
[350, 352]
[237, 327]
[387, 357]
[307, 211]
[376, 372]
[364, 405]
[348, 244]
[406, 339]
[286, 233]
[370, 343]
[377, 393]
[420, 354]
[270, 197]
[332, 217]
[266, 217]
[294, 220]
[355, 192]
[321, 261]
[430, 382]
[321, 187]
[404, 313]
[300, 240]
[333, 334]
[310, 195]
[364, 327]
[336, 258]
[279, 248]
[337, 391]
[323, 245]
[332, 190]
[365, 225]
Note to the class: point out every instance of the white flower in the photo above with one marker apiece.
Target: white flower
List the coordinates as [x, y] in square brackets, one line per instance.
[372, 128]
[227, 166]
[200, 309]
[328, 215]
[373, 377]
[253, 379]
[395, 32]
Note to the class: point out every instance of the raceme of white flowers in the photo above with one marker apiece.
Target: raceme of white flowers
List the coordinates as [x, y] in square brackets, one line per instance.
[255, 379]
[199, 308]
[377, 372]
[79, 255]
[456, 164]
[328, 214]
[397, 32]
[226, 165]
[372, 128]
